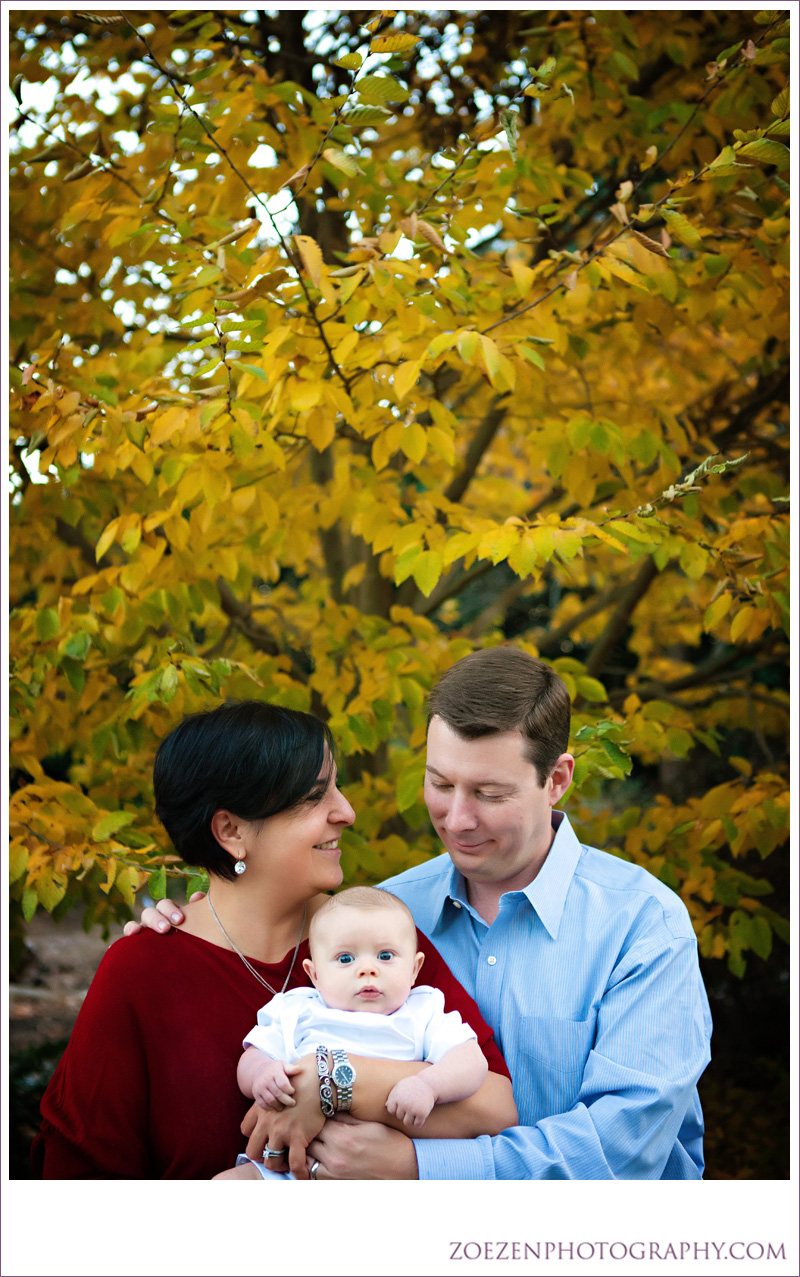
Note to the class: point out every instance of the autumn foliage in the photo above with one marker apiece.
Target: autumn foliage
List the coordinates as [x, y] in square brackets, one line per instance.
[340, 349]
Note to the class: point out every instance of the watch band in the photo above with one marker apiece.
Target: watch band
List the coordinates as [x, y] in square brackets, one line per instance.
[325, 1082]
[343, 1075]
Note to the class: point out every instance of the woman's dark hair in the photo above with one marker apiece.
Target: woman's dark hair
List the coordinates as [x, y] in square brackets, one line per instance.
[503, 689]
[250, 758]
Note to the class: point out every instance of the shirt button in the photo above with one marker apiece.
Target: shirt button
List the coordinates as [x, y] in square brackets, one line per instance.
[491, 960]
[457, 904]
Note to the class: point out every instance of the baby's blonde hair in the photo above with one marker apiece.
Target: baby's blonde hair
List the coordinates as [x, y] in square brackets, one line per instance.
[360, 898]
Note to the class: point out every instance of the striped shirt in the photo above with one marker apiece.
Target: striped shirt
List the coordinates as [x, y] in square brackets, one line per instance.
[590, 980]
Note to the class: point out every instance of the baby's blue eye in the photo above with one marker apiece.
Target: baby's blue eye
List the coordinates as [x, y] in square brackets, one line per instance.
[385, 955]
[344, 958]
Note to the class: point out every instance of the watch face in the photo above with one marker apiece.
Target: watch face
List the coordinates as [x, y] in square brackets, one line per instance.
[343, 1074]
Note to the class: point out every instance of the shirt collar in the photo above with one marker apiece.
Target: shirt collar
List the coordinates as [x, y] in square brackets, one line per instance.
[547, 893]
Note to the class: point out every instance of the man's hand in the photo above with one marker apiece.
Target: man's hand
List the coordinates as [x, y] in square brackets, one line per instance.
[291, 1128]
[349, 1149]
[160, 917]
[411, 1100]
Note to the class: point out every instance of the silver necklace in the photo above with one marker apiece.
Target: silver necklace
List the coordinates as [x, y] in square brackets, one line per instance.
[249, 965]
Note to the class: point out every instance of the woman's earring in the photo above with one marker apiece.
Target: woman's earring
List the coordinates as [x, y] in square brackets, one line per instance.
[239, 867]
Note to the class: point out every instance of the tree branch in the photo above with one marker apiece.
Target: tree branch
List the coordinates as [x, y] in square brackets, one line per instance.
[618, 622]
[478, 446]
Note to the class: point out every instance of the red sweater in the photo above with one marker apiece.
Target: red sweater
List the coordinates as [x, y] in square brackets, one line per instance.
[146, 1088]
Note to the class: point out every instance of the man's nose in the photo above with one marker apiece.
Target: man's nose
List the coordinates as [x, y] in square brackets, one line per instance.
[460, 814]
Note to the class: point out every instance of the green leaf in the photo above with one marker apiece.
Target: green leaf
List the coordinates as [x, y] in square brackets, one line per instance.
[30, 903]
[626, 65]
[618, 756]
[157, 883]
[409, 785]
[767, 152]
[197, 882]
[252, 368]
[781, 102]
[17, 861]
[681, 228]
[76, 675]
[168, 683]
[376, 90]
[47, 624]
[78, 645]
[109, 824]
[591, 689]
[760, 936]
[342, 161]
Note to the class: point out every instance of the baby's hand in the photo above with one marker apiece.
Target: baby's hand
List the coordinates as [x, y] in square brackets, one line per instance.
[411, 1100]
[271, 1087]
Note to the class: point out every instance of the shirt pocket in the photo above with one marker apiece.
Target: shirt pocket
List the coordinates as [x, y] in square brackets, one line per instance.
[561, 1046]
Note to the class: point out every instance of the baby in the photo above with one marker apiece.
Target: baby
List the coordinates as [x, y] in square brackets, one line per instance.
[364, 961]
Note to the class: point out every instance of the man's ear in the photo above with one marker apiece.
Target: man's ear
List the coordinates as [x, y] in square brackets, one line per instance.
[419, 958]
[308, 967]
[560, 777]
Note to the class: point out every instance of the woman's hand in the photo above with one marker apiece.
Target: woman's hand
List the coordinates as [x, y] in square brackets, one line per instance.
[160, 917]
[291, 1129]
[349, 1149]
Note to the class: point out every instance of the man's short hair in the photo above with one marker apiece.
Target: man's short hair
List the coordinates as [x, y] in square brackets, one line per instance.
[503, 689]
[360, 898]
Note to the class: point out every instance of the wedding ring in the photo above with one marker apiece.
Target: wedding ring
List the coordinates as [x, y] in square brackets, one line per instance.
[314, 1168]
[272, 1152]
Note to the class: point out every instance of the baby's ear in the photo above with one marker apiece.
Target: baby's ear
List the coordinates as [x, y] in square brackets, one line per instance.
[308, 967]
[419, 958]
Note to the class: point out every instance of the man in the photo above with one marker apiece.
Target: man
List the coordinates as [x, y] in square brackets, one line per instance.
[584, 966]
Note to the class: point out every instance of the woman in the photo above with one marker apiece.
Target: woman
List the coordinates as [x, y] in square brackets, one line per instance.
[147, 1086]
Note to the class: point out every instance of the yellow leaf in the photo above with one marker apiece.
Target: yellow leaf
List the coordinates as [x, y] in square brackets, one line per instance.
[216, 485]
[405, 376]
[393, 43]
[168, 424]
[106, 539]
[523, 276]
[427, 570]
[443, 443]
[413, 441]
[741, 621]
[320, 428]
[459, 545]
[717, 610]
[311, 255]
[445, 341]
[386, 444]
[491, 356]
[305, 395]
[467, 343]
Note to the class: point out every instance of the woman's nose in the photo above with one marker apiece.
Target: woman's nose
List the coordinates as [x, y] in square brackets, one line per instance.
[344, 813]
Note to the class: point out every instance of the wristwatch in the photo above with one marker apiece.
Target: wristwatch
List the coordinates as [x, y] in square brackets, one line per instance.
[343, 1075]
[325, 1082]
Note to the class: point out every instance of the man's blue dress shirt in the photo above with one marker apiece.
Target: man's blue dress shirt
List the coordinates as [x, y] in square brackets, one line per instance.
[590, 980]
